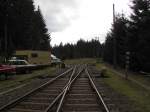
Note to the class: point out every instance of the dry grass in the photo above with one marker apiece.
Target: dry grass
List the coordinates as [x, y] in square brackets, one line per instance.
[136, 93]
[20, 79]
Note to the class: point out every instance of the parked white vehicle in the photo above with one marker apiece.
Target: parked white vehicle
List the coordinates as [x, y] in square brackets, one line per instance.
[22, 66]
[18, 63]
[55, 60]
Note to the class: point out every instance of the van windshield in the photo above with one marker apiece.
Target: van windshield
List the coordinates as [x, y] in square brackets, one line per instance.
[17, 63]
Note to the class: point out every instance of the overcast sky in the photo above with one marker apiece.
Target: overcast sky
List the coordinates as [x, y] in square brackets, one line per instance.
[70, 20]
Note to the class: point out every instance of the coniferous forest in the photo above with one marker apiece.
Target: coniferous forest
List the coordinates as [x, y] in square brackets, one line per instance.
[132, 35]
[82, 49]
[127, 34]
[21, 27]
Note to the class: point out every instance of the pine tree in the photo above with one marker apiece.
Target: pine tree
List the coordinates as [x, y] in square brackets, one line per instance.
[140, 39]
[24, 26]
[119, 32]
[41, 38]
[108, 48]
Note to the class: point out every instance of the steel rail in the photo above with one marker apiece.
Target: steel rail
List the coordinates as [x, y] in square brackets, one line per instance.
[14, 102]
[96, 90]
[56, 99]
[66, 90]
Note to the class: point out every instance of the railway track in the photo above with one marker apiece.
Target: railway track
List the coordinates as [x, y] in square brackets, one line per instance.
[77, 93]
[81, 96]
[37, 99]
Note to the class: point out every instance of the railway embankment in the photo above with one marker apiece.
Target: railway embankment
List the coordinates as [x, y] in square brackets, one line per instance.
[136, 88]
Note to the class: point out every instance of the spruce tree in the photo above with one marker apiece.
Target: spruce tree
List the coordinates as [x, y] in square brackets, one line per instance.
[140, 39]
[21, 27]
[119, 32]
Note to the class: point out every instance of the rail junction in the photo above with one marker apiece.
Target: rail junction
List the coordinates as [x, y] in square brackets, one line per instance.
[71, 91]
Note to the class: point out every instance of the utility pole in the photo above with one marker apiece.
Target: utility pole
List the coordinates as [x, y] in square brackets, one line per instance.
[114, 41]
[8, 5]
[114, 13]
[5, 41]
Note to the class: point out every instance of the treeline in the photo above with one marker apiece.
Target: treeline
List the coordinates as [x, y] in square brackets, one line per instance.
[82, 49]
[21, 27]
[130, 35]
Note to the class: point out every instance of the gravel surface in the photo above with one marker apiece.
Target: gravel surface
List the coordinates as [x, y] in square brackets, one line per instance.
[10, 95]
[14, 94]
[115, 101]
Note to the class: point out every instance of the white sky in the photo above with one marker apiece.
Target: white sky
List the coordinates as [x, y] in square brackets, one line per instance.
[70, 20]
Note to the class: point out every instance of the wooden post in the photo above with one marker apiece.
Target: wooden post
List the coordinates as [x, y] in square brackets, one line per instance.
[127, 64]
